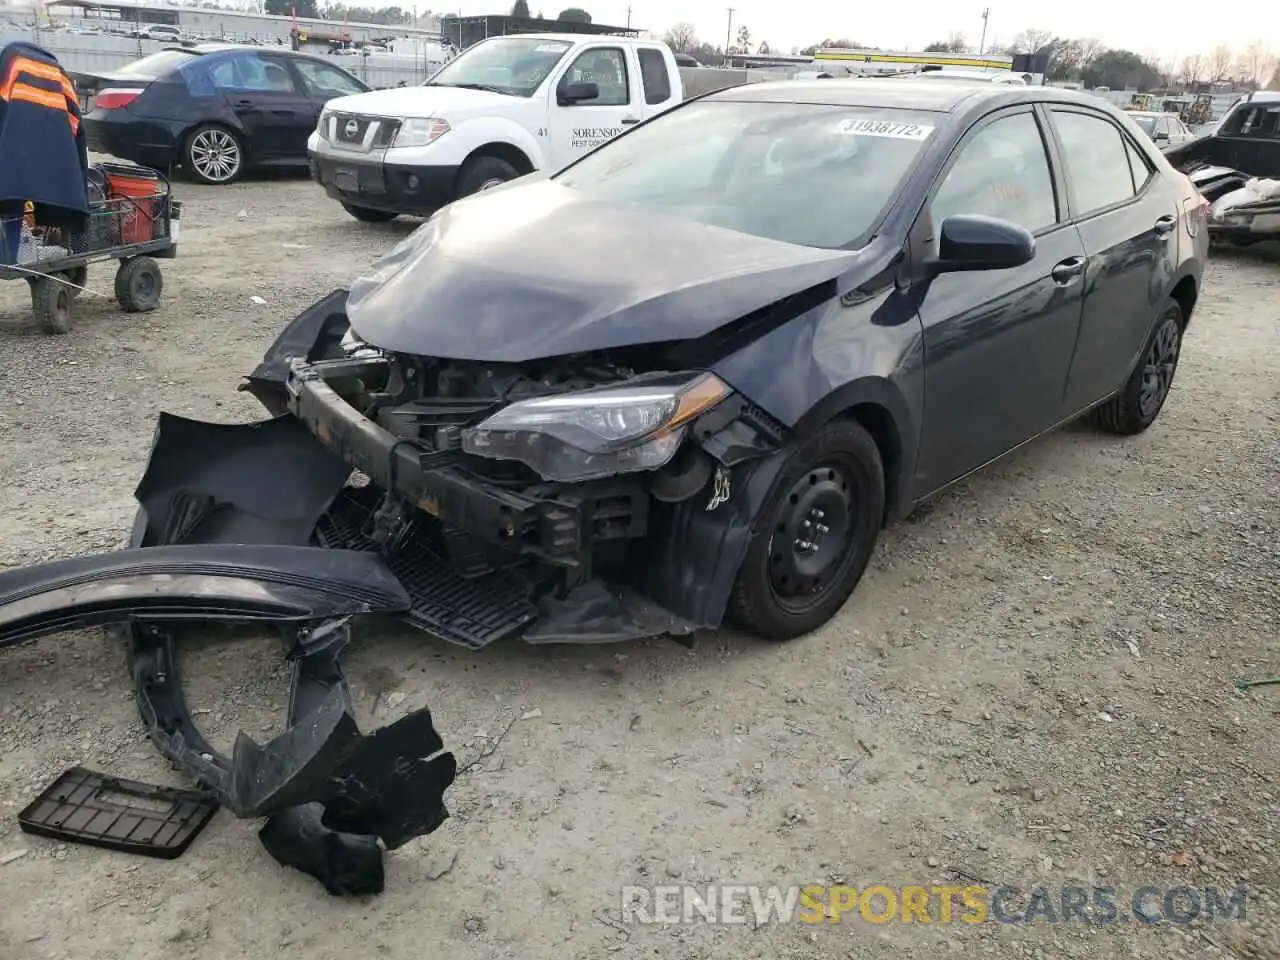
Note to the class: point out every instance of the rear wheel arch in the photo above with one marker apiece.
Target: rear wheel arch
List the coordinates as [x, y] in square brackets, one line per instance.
[1185, 292]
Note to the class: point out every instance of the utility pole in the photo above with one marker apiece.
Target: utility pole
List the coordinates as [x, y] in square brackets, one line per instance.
[628, 18]
[728, 35]
[982, 44]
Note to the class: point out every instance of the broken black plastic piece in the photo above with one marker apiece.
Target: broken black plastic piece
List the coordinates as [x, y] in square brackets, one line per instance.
[348, 865]
[91, 808]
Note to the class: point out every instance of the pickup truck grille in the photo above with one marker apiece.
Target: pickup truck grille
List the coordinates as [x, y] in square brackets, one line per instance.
[355, 132]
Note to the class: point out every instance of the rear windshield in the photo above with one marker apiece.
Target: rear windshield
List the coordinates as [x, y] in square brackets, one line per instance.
[821, 176]
[1148, 124]
[157, 65]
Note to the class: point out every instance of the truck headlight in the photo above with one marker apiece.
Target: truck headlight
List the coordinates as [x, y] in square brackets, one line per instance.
[572, 437]
[322, 126]
[419, 133]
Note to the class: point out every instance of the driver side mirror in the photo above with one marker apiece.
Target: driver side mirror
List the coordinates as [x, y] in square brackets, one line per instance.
[973, 242]
[571, 93]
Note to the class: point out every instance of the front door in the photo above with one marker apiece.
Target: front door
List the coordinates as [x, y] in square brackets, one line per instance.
[578, 128]
[275, 113]
[1128, 221]
[998, 343]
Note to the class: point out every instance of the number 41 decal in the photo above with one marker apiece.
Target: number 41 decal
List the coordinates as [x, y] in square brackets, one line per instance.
[542, 131]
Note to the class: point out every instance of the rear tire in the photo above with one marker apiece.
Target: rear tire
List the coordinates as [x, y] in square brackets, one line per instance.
[368, 214]
[1142, 398]
[51, 305]
[815, 537]
[139, 284]
[481, 173]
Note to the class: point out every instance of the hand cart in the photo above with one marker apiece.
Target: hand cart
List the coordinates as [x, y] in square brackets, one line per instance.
[133, 218]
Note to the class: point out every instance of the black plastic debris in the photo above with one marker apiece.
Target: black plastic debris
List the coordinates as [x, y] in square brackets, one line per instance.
[91, 808]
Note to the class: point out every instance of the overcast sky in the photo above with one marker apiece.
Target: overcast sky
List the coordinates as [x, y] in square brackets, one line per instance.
[1170, 30]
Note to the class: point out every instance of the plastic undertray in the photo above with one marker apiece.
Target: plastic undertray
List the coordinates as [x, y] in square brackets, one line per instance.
[91, 808]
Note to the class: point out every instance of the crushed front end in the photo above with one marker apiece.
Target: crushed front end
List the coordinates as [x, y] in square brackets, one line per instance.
[549, 499]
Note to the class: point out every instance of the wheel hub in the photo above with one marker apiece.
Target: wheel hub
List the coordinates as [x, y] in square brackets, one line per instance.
[812, 534]
[216, 155]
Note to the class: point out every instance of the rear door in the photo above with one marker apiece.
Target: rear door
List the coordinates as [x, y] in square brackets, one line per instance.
[658, 88]
[1128, 221]
[998, 343]
[578, 128]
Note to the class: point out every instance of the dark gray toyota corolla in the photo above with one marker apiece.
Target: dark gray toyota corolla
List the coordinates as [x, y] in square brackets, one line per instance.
[689, 376]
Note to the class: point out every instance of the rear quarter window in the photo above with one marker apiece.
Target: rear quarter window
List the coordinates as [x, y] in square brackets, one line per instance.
[653, 73]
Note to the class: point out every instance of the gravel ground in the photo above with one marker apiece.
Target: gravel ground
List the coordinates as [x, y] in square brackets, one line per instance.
[1033, 685]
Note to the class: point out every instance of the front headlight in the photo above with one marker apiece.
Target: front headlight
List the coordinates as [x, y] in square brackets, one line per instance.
[572, 437]
[419, 133]
[322, 126]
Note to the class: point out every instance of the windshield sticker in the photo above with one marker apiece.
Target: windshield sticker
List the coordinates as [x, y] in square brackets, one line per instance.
[884, 128]
[551, 48]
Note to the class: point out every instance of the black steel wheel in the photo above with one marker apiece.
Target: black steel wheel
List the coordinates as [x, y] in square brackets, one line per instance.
[1142, 398]
[368, 214]
[816, 535]
[51, 304]
[139, 284]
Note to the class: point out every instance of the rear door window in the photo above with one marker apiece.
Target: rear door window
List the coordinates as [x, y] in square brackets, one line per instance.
[325, 82]
[654, 75]
[1097, 161]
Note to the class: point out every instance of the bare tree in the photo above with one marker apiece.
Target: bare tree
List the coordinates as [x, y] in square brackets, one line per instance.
[1192, 69]
[956, 43]
[1256, 63]
[1088, 50]
[744, 39]
[1032, 41]
[682, 38]
[1218, 63]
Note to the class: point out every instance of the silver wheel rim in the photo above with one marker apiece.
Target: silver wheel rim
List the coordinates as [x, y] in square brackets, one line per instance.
[490, 184]
[215, 155]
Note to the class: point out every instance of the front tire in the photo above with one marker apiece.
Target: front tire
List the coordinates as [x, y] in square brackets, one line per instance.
[1142, 398]
[213, 155]
[481, 173]
[816, 536]
[368, 214]
[139, 284]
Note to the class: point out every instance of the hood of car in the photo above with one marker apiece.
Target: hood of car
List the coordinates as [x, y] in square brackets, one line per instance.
[536, 270]
[420, 102]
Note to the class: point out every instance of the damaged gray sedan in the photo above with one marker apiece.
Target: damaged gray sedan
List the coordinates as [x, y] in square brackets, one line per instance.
[688, 377]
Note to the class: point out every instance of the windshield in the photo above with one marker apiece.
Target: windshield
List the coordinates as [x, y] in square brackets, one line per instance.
[514, 66]
[1148, 124]
[816, 175]
[156, 65]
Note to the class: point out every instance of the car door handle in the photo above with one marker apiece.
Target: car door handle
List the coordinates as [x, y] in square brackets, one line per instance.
[1067, 269]
[630, 120]
[1166, 223]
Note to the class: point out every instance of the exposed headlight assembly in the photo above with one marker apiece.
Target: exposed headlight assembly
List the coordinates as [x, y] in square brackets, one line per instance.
[572, 437]
[322, 127]
[419, 133]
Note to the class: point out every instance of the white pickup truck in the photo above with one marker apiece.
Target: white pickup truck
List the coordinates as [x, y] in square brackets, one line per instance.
[505, 107]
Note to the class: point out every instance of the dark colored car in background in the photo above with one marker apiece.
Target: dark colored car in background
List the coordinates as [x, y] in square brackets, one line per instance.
[216, 110]
[693, 373]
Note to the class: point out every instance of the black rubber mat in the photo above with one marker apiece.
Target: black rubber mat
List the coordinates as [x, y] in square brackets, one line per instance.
[86, 807]
[471, 612]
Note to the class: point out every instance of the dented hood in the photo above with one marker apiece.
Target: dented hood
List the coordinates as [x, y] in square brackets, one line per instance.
[536, 270]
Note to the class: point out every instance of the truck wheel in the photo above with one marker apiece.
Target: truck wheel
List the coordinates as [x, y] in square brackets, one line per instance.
[1142, 397]
[51, 304]
[816, 535]
[139, 284]
[368, 214]
[482, 173]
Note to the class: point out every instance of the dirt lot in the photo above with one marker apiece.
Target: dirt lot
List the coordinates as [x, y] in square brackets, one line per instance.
[1033, 685]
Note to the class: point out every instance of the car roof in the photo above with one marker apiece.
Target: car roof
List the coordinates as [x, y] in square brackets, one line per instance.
[910, 93]
[1151, 113]
[257, 48]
